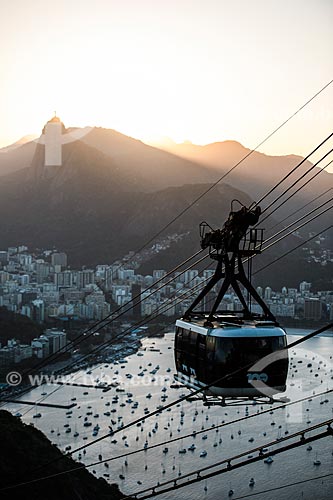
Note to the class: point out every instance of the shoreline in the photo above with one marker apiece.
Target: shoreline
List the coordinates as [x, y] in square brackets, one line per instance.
[123, 349]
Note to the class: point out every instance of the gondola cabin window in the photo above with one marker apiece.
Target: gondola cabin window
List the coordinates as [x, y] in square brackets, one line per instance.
[182, 342]
[210, 356]
[193, 343]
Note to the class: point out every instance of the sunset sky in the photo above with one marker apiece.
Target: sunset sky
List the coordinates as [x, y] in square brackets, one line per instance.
[199, 70]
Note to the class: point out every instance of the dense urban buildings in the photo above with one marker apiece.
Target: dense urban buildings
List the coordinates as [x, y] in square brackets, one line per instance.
[42, 287]
[51, 341]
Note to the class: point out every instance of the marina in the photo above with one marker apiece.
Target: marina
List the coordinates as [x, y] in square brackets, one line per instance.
[205, 434]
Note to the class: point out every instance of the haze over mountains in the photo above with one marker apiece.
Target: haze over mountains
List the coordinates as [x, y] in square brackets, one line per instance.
[15, 157]
[150, 168]
[95, 210]
[112, 193]
[258, 173]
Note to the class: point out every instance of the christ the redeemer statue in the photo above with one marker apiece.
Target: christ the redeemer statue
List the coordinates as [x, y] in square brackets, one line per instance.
[54, 136]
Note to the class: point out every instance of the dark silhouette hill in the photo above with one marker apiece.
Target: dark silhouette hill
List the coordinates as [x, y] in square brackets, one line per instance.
[17, 326]
[25, 449]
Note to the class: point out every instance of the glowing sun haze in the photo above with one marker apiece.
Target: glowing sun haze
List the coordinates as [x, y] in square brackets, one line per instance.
[203, 70]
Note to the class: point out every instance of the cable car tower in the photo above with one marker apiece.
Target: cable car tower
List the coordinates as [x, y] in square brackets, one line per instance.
[228, 246]
[234, 355]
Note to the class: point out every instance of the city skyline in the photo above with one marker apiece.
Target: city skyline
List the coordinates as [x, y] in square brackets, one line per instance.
[44, 286]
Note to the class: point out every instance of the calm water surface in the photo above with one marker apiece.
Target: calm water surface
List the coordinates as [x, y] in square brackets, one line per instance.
[149, 467]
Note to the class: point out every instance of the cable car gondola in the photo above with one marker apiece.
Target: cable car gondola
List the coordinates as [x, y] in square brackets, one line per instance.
[213, 343]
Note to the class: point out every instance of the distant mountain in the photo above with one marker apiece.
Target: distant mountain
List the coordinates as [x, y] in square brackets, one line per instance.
[177, 164]
[65, 205]
[153, 168]
[258, 173]
[94, 210]
[18, 143]
[150, 168]
[113, 193]
[16, 157]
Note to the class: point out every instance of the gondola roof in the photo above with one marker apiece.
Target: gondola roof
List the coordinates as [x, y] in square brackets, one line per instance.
[225, 328]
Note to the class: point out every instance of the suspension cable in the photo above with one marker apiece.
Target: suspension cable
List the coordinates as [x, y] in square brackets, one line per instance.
[182, 212]
[301, 208]
[301, 218]
[294, 169]
[118, 338]
[106, 321]
[101, 322]
[227, 462]
[293, 184]
[191, 395]
[298, 227]
[205, 387]
[276, 488]
[169, 441]
[295, 248]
